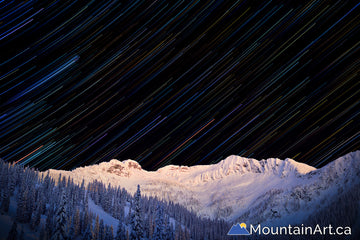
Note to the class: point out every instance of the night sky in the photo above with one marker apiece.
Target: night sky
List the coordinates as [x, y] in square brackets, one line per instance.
[186, 82]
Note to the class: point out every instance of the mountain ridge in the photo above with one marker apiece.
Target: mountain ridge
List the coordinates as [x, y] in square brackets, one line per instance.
[231, 165]
[235, 187]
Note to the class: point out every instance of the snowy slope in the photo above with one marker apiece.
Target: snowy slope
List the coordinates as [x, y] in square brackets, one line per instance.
[236, 188]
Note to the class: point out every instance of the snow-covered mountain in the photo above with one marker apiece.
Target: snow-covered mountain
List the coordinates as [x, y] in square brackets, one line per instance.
[268, 191]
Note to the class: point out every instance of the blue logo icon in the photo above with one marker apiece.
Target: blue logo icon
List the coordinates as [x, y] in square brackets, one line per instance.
[238, 229]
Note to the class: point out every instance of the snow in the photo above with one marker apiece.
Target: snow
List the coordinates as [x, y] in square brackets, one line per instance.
[233, 188]
[106, 217]
[7, 220]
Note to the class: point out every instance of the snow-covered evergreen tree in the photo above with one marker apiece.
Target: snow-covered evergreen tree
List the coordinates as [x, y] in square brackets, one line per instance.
[118, 212]
[109, 233]
[159, 231]
[106, 200]
[128, 218]
[77, 223]
[82, 192]
[61, 220]
[35, 217]
[86, 220]
[5, 201]
[31, 201]
[120, 233]
[96, 229]
[4, 175]
[150, 223]
[21, 210]
[137, 218]
[169, 231]
[4, 190]
[12, 180]
[49, 221]
[86, 201]
[101, 230]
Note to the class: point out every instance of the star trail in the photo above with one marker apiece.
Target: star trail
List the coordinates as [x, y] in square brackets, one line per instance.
[186, 82]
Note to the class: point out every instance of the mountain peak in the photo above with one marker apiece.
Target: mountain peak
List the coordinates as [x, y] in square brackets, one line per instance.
[132, 164]
[122, 168]
[237, 164]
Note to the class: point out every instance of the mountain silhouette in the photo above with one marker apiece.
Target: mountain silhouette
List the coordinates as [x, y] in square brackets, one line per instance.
[238, 230]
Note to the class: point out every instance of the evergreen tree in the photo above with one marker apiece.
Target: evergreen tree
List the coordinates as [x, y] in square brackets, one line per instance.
[31, 202]
[76, 223]
[96, 229]
[137, 218]
[5, 203]
[49, 222]
[121, 210]
[109, 233]
[3, 177]
[178, 231]
[169, 231]
[13, 232]
[101, 230]
[35, 217]
[71, 234]
[86, 201]
[82, 192]
[106, 202]
[118, 211]
[151, 225]
[86, 220]
[12, 181]
[21, 210]
[128, 218]
[159, 231]
[88, 235]
[61, 220]
[112, 236]
[120, 233]
[96, 194]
